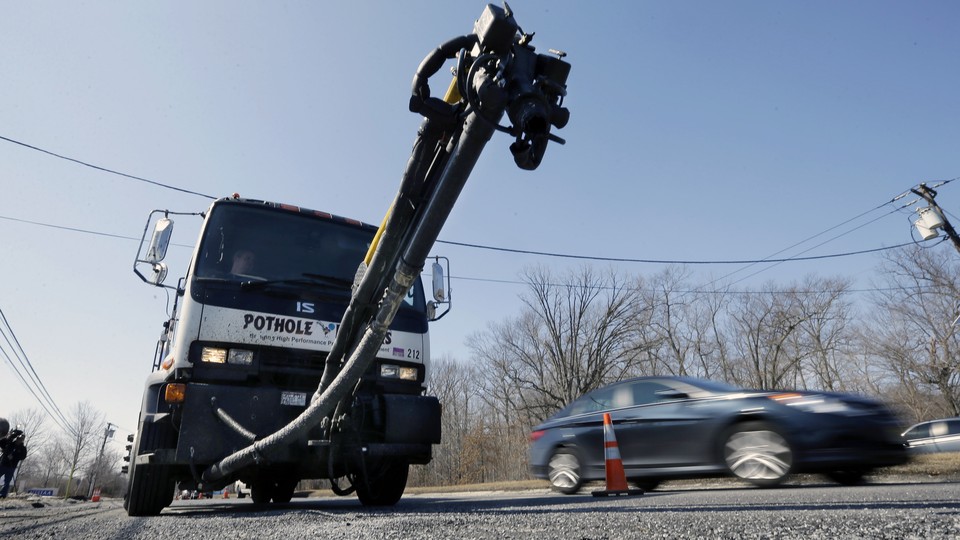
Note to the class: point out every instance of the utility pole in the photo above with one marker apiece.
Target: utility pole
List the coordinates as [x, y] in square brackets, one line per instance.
[107, 434]
[928, 195]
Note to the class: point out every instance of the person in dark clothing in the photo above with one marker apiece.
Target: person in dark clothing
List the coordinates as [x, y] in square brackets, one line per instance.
[13, 450]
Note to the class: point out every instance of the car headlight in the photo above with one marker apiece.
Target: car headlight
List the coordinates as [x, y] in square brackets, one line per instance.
[814, 403]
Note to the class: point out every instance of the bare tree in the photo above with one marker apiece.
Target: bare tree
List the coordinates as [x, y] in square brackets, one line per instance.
[86, 425]
[34, 426]
[762, 325]
[457, 386]
[914, 332]
[572, 336]
[825, 335]
[669, 328]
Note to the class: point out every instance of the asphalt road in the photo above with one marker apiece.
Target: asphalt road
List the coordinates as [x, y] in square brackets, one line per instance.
[892, 510]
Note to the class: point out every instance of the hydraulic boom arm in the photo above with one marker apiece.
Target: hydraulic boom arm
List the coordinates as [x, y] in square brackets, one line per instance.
[497, 72]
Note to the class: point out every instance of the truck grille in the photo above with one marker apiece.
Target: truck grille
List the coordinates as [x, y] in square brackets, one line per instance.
[292, 358]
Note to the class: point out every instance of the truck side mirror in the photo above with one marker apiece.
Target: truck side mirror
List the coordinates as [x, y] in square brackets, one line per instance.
[159, 242]
[147, 265]
[439, 290]
[159, 273]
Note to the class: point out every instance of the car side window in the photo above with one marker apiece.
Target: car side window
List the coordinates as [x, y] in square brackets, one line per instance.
[597, 401]
[953, 427]
[938, 429]
[919, 432]
[645, 392]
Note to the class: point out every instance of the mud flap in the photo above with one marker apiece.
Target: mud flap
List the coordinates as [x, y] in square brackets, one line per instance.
[411, 419]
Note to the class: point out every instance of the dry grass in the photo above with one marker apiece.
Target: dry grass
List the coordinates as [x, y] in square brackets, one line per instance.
[518, 485]
[946, 464]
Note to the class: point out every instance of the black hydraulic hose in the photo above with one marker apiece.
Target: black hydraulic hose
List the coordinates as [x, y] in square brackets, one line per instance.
[430, 65]
[424, 158]
[403, 211]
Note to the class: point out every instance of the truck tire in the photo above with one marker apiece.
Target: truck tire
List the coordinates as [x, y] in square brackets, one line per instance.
[283, 490]
[150, 488]
[383, 484]
[262, 491]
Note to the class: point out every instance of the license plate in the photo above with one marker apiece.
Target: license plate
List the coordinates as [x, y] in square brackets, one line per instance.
[293, 398]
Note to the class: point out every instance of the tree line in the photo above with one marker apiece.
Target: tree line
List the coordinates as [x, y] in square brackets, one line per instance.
[587, 328]
[71, 460]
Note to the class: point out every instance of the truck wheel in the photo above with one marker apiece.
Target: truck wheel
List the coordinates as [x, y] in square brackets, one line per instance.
[384, 483]
[283, 490]
[262, 491]
[150, 488]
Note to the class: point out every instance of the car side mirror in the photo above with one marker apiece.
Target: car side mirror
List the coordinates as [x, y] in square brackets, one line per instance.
[672, 394]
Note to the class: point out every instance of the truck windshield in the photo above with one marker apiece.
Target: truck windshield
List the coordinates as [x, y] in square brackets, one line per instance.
[259, 247]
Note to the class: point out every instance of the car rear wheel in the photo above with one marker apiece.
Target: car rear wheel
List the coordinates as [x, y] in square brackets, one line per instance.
[564, 472]
[758, 453]
[646, 484]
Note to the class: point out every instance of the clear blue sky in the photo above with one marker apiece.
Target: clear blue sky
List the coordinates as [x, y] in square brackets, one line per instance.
[699, 130]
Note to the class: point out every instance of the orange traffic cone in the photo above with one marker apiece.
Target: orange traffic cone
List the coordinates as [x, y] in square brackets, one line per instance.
[616, 478]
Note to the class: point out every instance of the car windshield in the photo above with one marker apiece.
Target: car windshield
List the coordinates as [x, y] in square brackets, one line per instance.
[263, 247]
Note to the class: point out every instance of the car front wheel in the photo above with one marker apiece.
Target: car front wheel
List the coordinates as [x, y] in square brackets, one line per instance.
[564, 472]
[758, 453]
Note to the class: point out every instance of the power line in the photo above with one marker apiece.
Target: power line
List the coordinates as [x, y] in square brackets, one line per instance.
[551, 254]
[825, 242]
[34, 384]
[104, 169]
[748, 262]
[61, 227]
[85, 231]
[667, 261]
[548, 254]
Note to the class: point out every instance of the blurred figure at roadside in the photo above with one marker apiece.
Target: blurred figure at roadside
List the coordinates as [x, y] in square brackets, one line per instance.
[13, 450]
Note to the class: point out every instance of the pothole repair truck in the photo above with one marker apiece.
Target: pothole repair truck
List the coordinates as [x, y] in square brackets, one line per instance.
[297, 347]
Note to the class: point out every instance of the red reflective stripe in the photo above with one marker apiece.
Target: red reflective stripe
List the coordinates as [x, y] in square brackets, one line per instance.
[610, 444]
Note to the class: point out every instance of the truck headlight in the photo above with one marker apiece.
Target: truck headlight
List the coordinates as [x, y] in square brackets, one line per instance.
[408, 373]
[213, 355]
[240, 356]
[216, 355]
[393, 371]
